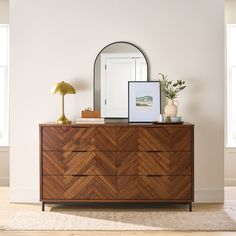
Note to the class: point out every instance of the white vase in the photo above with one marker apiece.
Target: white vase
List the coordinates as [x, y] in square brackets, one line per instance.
[171, 108]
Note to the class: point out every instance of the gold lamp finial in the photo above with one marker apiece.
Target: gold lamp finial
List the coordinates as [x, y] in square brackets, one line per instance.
[63, 88]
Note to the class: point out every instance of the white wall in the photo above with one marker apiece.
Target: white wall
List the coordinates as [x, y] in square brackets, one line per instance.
[230, 153]
[4, 166]
[230, 11]
[4, 11]
[4, 152]
[56, 40]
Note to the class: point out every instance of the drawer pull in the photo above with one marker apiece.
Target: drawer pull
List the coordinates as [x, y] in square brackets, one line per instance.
[152, 151]
[154, 175]
[78, 151]
[77, 175]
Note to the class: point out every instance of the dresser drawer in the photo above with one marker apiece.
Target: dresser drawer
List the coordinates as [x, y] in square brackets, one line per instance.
[79, 187]
[78, 139]
[154, 163]
[154, 187]
[78, 163]
[154, 139]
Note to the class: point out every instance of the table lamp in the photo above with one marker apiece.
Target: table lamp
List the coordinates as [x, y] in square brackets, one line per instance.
[63, 88]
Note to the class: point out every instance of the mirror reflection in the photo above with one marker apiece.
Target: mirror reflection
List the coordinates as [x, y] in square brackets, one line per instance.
[114, 66]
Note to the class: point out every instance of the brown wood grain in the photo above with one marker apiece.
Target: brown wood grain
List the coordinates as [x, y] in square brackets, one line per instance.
[143, 139]
[117, 162]
[79, 187]
[180, 138]
[154, 187]
[154, 139]
[67, 138]
[79, 163]
[154, 163]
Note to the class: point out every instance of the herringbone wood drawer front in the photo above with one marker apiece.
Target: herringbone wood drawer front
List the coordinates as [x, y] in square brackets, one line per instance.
[79, 163]
[154, 187]
[117, 162]
[181, 139]
[79, 187]
[142, 139]
[79, 139]
[154, 163]
[154, 139]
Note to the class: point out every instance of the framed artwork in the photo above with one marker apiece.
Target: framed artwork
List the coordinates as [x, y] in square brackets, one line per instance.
[144, 103]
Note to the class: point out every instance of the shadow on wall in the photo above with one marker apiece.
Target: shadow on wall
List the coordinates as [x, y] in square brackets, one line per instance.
[80, 84]
[193, 107]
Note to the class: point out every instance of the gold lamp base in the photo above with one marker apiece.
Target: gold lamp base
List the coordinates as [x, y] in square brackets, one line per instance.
[63, 120]
[63, 88]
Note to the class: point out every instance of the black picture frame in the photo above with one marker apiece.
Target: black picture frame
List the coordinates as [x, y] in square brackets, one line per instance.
[154, 112]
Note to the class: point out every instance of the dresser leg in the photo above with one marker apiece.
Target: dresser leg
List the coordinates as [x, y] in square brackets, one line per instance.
[190, 206]
[43, 206]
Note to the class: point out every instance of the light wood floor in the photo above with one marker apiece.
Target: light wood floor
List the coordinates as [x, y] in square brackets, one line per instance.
[7, 208]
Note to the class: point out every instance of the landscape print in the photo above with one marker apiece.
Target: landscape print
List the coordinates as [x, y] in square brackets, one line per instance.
[144, 100]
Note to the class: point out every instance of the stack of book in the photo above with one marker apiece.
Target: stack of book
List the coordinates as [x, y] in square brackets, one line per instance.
[90, 121]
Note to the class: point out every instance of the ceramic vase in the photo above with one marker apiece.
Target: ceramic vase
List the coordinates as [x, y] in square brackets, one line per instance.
[171, 108]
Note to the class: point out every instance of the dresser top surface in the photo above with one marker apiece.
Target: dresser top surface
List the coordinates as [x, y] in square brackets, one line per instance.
[118, 124]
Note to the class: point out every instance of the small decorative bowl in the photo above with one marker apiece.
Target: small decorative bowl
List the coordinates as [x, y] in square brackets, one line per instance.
[176, 119]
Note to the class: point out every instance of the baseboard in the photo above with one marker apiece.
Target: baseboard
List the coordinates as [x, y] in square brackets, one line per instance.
[209, 195]
[4, 181]
[201, 195]
[230, 182]
[24, 195]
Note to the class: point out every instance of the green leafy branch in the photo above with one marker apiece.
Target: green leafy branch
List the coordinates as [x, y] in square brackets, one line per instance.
[171, 89]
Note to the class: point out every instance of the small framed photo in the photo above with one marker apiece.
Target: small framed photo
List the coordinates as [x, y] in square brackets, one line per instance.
[144, 103]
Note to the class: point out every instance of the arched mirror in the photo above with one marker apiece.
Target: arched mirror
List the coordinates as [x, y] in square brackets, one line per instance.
[114, 66]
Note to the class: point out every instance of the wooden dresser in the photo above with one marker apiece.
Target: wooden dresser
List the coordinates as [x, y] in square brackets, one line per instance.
[117, 162]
